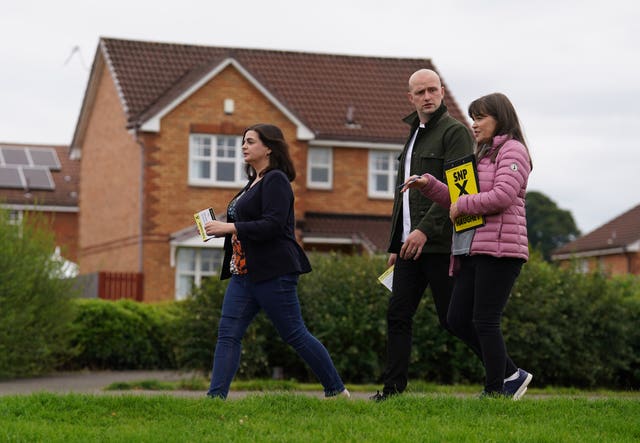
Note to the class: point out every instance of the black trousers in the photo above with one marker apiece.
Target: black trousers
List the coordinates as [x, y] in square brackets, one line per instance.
[480, 294]
[410, 279]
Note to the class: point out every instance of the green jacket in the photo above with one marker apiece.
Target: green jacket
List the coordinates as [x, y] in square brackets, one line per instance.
[442, 140]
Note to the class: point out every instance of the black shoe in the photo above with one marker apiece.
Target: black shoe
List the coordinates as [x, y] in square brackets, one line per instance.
[516, 388]
[382, 397]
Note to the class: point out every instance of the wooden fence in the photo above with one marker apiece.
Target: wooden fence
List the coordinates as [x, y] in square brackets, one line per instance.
[117, 285]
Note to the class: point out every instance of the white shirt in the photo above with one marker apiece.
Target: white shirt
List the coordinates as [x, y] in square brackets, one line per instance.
[406, 215]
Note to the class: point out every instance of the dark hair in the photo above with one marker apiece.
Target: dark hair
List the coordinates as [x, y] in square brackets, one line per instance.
[499, 107]
[271, 136]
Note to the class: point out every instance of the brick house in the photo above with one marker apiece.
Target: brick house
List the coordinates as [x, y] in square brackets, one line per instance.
[43, 179]
[613, 247]
[159, 137]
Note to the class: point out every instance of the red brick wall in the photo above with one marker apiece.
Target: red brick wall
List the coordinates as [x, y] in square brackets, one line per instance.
[65, 227]
[349, 194]
[620, 263]
[171, 202]
[615, 264]
[109, 190]
[109, 223]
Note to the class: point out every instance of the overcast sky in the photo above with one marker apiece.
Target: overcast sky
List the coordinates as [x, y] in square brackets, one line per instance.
[571, 68]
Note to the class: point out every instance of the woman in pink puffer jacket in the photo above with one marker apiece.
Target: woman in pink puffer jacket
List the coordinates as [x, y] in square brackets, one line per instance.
[488, 260]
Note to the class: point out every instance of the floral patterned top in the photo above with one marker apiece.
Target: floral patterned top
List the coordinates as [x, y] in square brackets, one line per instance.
[238, 263]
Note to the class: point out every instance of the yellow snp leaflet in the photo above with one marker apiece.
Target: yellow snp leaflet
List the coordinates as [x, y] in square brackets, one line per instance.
[202, 217]
[462, 178]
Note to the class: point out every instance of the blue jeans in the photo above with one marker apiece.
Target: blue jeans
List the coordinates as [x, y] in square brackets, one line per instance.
[279, 299]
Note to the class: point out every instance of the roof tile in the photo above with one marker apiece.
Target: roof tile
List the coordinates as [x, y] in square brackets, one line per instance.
[620, 232]
[316, 88]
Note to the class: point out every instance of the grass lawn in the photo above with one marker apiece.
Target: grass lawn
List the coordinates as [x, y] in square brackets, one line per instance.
[290, 417]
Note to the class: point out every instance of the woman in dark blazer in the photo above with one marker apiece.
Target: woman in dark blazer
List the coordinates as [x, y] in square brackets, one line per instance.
[264, 261]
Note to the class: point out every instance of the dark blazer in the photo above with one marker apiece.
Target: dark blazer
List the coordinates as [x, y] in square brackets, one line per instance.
[265, 223]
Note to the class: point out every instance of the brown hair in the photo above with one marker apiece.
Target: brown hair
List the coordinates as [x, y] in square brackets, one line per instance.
[271, 136]
[498, 106]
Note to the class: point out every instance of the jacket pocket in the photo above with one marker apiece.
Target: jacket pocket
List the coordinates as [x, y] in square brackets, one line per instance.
[432, 162]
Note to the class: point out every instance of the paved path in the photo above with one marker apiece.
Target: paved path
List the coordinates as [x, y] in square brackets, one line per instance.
[95, 382]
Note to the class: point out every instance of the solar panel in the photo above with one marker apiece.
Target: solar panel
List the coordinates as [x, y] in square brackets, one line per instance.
[37, 178]
[28, 168]
[14, 156]
[10, 177]
[45, 157]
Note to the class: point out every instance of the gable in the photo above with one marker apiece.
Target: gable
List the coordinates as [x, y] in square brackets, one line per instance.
[619, 235]
[331, 97]
[150, 121]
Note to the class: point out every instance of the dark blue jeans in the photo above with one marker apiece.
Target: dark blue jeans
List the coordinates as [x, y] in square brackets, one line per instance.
[279, 299]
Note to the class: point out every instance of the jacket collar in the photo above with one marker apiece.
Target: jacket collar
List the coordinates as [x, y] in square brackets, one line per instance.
[413, 120]
[500, 139]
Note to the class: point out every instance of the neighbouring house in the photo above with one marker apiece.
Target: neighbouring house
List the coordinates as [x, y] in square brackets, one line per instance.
[613, 247]
[159, 137]
[43, 179]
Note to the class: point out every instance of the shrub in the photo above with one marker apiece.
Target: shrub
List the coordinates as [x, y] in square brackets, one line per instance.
[567, 328]
[573, 329]
[123, 334]
[35, 302]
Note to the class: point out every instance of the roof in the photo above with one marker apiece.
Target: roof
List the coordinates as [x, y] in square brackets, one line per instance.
[66, 181]
[318, 89]
[619, 233]
[370, 230]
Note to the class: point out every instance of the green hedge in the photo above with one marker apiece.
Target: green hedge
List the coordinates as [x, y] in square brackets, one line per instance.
[567, 328]
[123, 335]
[573, 329]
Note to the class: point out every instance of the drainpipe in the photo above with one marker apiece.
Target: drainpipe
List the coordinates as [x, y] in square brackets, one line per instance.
[141, 199]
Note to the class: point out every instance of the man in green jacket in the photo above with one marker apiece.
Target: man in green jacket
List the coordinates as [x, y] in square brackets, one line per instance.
[421, 231]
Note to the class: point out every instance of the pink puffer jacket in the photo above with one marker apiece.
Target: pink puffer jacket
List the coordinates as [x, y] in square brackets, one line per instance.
[503, 186]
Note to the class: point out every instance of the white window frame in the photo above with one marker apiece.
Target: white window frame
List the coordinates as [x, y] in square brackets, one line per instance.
[237, 160]
[198, 274]
[391, 173]
[15, 216]
[328, 166]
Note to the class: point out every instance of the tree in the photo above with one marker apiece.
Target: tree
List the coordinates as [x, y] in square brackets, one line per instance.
[549, 227]
[36, 310]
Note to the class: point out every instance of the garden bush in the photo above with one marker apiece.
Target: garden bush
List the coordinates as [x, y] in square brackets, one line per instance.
[568, 328]
[123, 334]
[574, 329]
[36, 306]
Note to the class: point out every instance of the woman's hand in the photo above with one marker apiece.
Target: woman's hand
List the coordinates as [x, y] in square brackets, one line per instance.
[415, 181]
[219, 229]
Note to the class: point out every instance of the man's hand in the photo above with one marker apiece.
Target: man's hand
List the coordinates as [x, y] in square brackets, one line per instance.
[412, 247]
[453, 212]
[392, 259]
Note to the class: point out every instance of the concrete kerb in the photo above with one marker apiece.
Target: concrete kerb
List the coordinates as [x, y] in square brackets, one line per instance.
[95, 382]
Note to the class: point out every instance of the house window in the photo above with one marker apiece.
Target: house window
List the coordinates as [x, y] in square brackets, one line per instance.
[194, 265]
[216, 160]
[15, 217]
[383, 168]
[320, 168]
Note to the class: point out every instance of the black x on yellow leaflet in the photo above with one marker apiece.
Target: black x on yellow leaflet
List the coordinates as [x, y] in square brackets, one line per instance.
[462, 178]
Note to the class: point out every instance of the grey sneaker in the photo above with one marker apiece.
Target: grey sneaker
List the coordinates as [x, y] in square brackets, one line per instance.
[516, 388]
